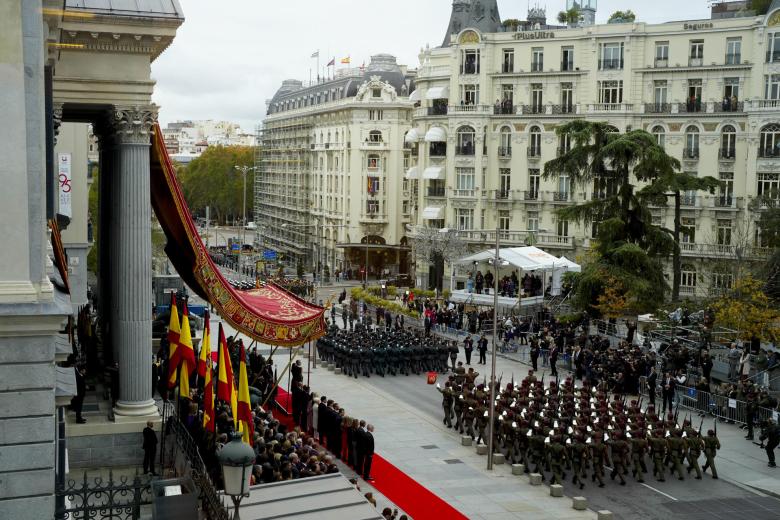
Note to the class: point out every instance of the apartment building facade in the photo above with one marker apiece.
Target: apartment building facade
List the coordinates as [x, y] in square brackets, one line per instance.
[330, 190]
[488, 106]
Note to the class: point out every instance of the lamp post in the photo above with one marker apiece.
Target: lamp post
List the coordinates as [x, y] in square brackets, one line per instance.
[244, 170]
[492, 415]
[237, 460]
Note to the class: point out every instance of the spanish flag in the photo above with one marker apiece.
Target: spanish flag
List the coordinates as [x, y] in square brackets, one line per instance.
[209, 423]
[346, 61]
[186, 353]
[205, 346]
[174, 331]
[226, 384]
[244, 404]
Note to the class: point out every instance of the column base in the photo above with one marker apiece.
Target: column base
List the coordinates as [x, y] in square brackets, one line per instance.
[132, 411]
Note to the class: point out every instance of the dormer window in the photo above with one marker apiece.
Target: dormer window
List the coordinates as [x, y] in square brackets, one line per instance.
[376, 92]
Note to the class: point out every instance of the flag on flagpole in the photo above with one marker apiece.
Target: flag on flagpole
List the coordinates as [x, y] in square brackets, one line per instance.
[174, 331]
[205, 346]
[332, 63]
[316, 54]
[346, 61]
[244, 403]
[226, 384]
[209, 422]
[187, 354]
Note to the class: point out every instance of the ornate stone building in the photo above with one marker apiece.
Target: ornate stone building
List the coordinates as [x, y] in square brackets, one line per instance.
[490, 103]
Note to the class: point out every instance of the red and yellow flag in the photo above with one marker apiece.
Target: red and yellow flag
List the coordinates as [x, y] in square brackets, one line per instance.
[226, 383]
[174, 332]
[205, 346]
[186, 353]
[244, 403]
[346, 61]
[209, 423]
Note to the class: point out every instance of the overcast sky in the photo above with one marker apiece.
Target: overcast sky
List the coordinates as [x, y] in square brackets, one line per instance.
[229, 56]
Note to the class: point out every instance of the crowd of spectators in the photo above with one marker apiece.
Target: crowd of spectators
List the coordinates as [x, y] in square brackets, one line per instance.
[508, 286]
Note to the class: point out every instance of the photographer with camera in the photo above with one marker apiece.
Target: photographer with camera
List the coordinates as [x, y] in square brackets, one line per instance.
[771, 433]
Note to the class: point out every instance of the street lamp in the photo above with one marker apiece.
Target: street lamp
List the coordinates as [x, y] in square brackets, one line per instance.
[244, 170]
[237, 461]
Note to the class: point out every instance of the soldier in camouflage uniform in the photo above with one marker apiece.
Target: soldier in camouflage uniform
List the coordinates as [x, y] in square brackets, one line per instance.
[711, 447]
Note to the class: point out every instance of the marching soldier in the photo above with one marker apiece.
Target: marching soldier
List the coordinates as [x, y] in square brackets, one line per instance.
[447, 399]
[619, 453]
[659, 447]
[676, 453]
[711, 447]
[557, 458]
[638, 451]
[598, 454]
[695, 445]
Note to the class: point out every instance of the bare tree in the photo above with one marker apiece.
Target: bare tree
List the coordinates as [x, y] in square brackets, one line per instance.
[437, 246]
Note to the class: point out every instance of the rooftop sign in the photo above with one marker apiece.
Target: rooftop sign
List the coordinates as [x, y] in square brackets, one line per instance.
[536, 35]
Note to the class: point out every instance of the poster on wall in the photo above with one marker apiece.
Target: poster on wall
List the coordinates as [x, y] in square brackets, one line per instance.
[65, 178]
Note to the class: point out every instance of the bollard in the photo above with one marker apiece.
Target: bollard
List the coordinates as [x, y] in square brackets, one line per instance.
[518, 469]
[604, 515]
[332, 366]
[535, 479]
[481, 449]
[556, 490]
[579, 503]
[465, 440]
[498, 458]
[337, 371]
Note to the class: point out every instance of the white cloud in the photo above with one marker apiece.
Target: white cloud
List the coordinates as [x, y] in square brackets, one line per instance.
[229, 56]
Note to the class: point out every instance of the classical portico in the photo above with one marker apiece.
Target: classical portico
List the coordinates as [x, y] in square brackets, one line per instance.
[102, 75]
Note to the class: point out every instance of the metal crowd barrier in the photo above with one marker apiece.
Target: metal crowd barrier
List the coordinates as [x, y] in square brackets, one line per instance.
[715, 405]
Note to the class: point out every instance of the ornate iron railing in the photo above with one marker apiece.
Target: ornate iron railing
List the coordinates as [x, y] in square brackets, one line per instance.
[112, 499]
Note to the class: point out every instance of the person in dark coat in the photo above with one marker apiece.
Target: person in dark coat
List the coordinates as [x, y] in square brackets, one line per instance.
[368, 453]
[652, 381]
[149, 447]
[360, 451]
[81, 390]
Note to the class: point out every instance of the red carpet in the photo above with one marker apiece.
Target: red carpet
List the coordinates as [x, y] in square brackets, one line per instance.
[408, 495]
[285, 401]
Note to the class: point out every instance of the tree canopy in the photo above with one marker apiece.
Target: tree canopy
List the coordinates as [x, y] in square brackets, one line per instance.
[212, 180]
[749, 310]
[626, 16]
[572, 16]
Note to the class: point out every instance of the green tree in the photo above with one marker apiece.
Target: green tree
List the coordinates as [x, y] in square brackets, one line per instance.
[212, 180]
[511, 24]
[569, 17]
[670, 184]
[627, 16]
[760, 6]
[627, 244]
[769, 229]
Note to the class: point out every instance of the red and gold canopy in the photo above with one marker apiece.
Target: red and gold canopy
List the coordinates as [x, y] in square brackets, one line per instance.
[269, 315]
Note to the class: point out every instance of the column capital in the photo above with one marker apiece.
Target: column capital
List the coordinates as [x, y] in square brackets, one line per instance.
[133, 124]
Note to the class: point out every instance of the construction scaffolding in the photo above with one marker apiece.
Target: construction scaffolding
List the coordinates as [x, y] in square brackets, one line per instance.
[282, 182]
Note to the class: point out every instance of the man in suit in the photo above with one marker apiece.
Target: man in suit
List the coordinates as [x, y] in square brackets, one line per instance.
[368, 452]
[360, 451]
[149, 447]
[667, 391]
[81, 390]
[652, 382]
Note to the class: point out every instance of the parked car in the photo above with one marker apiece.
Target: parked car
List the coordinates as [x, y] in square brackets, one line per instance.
[400, 280]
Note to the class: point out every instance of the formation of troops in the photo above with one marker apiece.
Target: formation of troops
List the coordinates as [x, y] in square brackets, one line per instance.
[381, 352]
[556, 428]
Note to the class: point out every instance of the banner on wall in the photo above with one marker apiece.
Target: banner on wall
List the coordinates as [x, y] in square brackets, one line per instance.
[65, 183]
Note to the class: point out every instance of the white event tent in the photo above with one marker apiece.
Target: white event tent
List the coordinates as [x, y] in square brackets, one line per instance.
[528, 259]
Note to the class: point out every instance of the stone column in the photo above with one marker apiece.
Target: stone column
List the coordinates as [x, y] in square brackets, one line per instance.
[131, 250]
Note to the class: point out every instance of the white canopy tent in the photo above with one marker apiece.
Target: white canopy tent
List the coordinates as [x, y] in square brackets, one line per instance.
[529, 259]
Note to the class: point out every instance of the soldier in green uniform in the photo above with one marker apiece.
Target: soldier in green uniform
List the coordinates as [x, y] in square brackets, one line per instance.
[619, 453]
[677, 453]
[598, 455]
[638, 451]
[468, 416]
[711, 447]
[537, 450]
[659, 447]
[458, 407]
[482, 419]
[556, 452]
[695, 446]
[447, 399]
[579, 460]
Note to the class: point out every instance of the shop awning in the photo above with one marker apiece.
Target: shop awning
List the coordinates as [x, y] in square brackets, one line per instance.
[433, 173]
[412, 174]
[436, 135]
[415, 96]
[433, 213]
[438, 93]
[412, 136]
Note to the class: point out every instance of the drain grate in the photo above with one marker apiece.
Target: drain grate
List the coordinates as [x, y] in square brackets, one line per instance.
[453, 461]
[429, 447]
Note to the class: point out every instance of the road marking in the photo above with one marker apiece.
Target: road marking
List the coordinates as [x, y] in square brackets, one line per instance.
[660, 492]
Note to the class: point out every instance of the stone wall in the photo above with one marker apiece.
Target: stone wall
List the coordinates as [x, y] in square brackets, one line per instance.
[105, 451]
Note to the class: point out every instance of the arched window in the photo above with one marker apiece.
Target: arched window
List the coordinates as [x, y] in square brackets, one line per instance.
[691, 143]
[337, 165]
[770, 141]
[505, 148]
[660, 135]
[535, 139]
[373, 161]
[728, 142]
[328, 141]
[465, 141]
[375, 136]
[688, 279]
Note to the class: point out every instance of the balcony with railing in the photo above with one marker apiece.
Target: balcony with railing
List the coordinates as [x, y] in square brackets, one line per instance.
[438, 110]
[733, 58]
[470, 109]
[610, 107]
[567, 65]
[695, 61]
[561, 196]
[534, 152]
[529, 195]
[725, 201]
[465, 193]
[661, 63]
[764, 105]
[568, 108]
[691, 249]
[658, 108]
[554, 241]
[691, 107]
[537, 66]
[611, 64]
[504, 152]
[688, 201]
[691, 154]
[727, 154]
[729, 106]
[504, 109]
